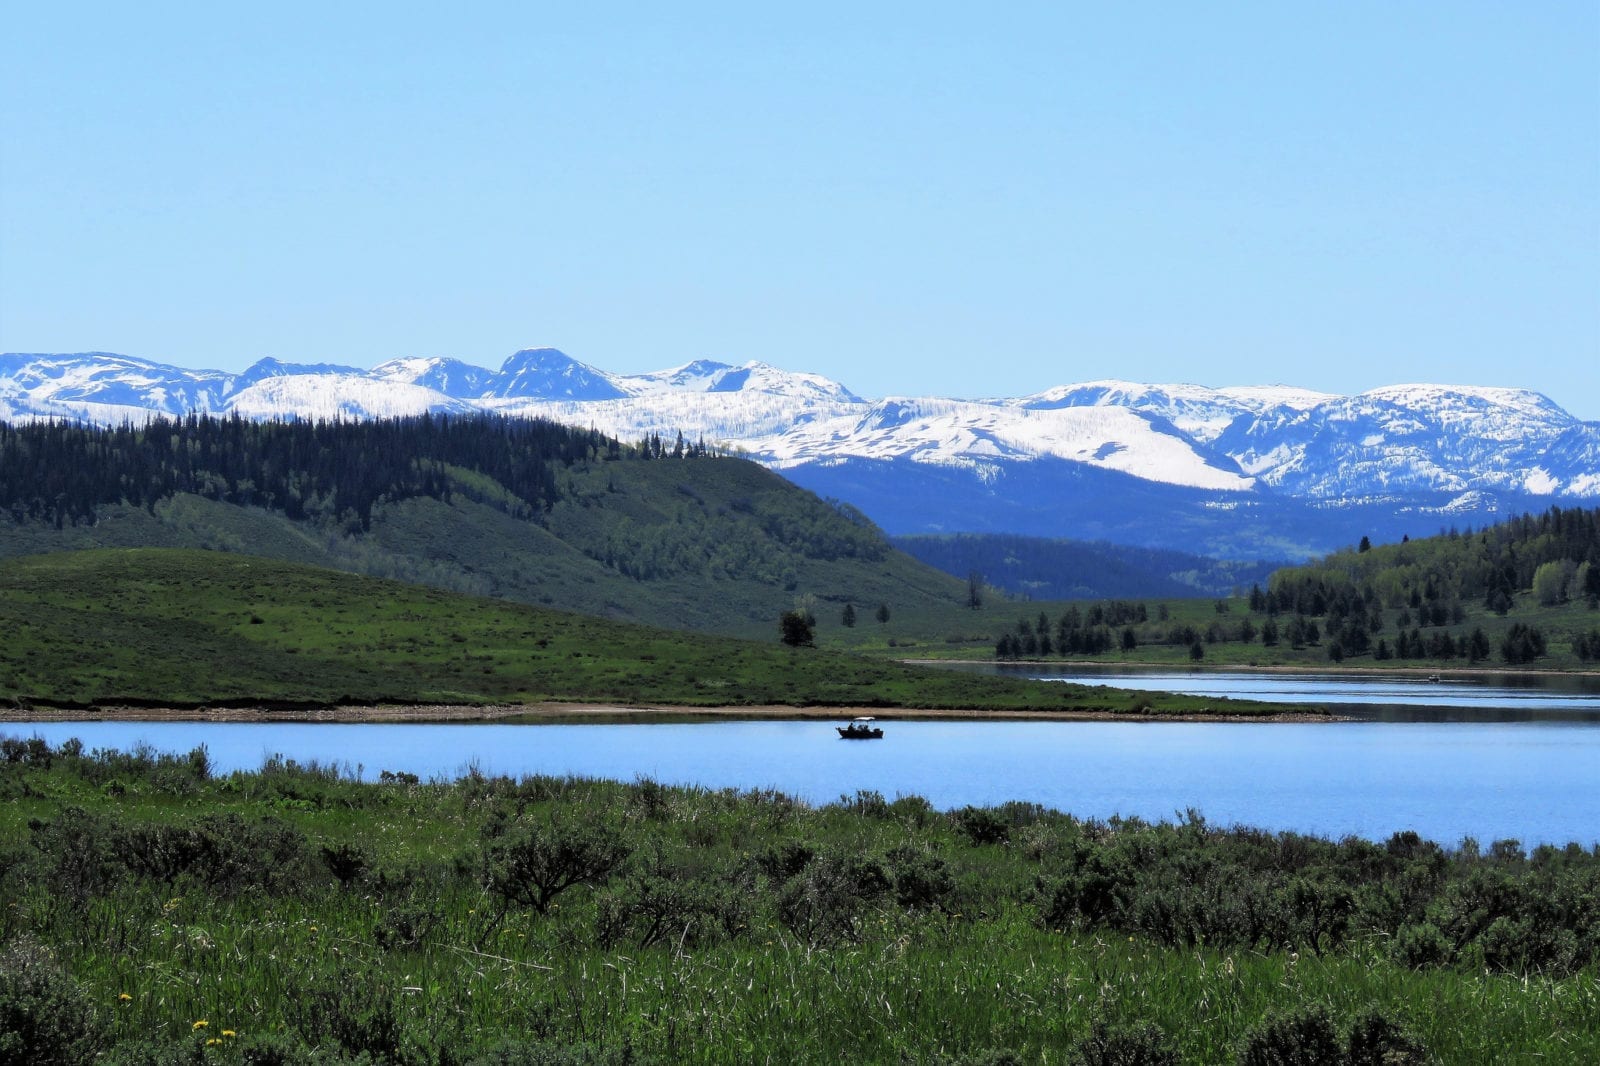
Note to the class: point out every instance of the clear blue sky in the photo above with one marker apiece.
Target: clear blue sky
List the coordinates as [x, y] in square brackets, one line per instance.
[919, 197]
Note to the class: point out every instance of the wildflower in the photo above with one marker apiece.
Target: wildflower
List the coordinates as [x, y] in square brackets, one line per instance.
[199, 1025]
[313, 929]
[229, 1033]
[124, 998]
[213, 1042]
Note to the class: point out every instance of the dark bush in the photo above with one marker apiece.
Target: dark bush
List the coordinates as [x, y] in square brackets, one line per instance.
[1375, 1040]
[921, 878]
[1305, 1037]
[75, 854]
[662, 899]
[1420, 945]
[824, 902]
[784, 861]
[45, 1018]
[530, 863]
[225, 852]
[345, 861]
[1141, 1045]
[982, 825]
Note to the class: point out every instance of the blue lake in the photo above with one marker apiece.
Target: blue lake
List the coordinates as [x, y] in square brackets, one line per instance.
[1535, 781]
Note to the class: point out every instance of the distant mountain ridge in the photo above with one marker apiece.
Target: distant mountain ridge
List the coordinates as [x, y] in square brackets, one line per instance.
[1271, 471]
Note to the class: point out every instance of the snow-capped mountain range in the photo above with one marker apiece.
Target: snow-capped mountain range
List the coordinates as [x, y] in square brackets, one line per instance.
[1423, 449]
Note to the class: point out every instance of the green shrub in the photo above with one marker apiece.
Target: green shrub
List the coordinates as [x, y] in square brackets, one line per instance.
[663, 900]
[75, 857]
[225, 852]
[1140, 1045]
[45, 1018]
[921, 878]
[529, 863]
[1420, 945]
[1375, 1040]
[1305, 1037]
[982, 825]
[825, 900]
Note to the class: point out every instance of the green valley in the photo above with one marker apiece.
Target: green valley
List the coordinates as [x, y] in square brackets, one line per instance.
[182, 627]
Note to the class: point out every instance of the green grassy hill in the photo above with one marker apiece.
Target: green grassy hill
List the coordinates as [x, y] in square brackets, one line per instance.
[525, 511]
[185, 627]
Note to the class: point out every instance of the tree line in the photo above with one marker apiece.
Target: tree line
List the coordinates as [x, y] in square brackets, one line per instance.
[61, 473]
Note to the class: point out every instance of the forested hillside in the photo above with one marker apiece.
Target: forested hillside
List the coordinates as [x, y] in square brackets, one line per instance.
[661, 531]
[1526, 591]
[1044, 568]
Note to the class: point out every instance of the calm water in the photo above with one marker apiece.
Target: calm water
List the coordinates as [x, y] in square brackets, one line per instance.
[1536, 782]
[1492, 698]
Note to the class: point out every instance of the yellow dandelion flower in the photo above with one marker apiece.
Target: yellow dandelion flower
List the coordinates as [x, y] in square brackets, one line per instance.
[213, 1042]
[229, 1032]
[124, 998]
[199, 1025]
[313, 929]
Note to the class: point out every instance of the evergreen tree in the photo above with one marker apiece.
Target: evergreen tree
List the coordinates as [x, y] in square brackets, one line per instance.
[797, 629]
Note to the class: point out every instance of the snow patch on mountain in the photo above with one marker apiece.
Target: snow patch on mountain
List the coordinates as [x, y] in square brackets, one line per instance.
[969, 433]
[346, 396]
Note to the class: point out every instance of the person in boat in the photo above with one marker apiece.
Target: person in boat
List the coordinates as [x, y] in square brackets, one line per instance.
[860, 728]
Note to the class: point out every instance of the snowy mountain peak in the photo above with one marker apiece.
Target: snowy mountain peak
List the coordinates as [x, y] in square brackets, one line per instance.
[697, 376]
[276, 368]
[550, 373]
[452, 377]
[764, 377]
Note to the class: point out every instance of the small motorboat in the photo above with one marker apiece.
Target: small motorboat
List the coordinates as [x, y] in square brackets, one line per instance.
[860, 729]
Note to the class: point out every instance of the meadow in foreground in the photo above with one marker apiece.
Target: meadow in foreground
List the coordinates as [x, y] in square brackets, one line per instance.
[158, 914]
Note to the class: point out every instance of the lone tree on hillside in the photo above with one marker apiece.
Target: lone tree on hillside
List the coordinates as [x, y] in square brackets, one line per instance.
[974, 589]
[883, 614]
[797, 629]
[849, 616]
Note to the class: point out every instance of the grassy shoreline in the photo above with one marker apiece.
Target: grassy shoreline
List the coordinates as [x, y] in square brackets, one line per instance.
[162, 915]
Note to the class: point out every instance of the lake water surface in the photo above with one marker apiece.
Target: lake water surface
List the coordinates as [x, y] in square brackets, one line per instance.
[1537, 781]
[1486, 697]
